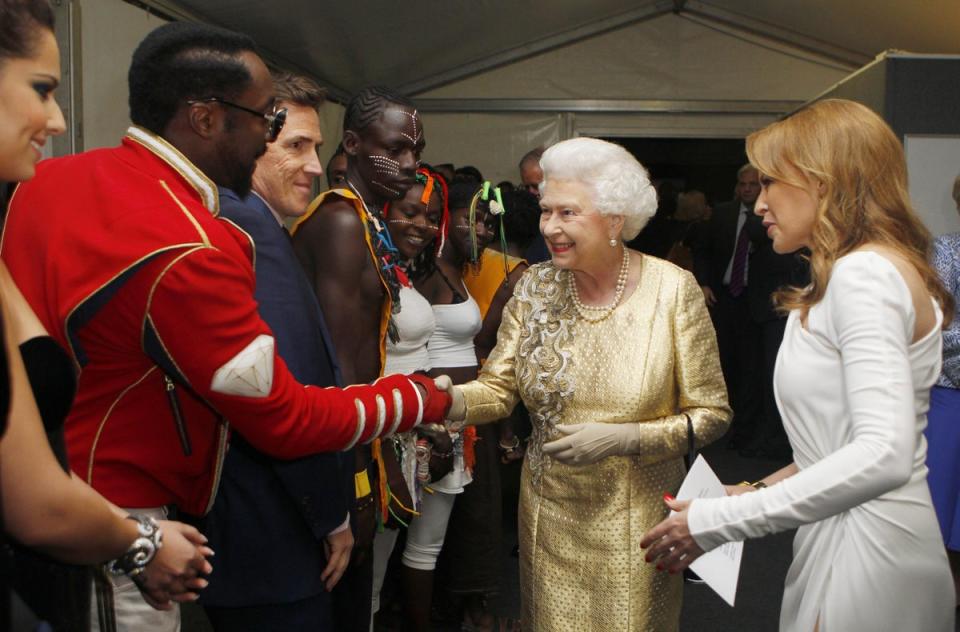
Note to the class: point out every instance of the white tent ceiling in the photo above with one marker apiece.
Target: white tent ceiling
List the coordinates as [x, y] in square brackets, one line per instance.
[420, 46]
[494, 78]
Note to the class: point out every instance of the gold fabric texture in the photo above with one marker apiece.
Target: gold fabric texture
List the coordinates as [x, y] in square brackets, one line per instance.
[581, 566]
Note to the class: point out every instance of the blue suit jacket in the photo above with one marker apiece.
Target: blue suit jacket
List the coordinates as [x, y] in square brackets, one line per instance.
[270, 517]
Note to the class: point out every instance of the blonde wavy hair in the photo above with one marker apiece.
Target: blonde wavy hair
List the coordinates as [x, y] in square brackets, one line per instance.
[859, 165]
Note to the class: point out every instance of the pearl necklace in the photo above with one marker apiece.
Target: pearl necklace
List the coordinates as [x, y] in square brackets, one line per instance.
[598, 313]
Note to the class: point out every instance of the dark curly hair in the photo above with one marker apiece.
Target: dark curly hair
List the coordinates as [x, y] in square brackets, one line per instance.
[19, 22]
[461, 193]
[367, 105]
[182, 61]
[521, 219]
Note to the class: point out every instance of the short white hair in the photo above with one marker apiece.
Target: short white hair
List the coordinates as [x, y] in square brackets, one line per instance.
[620, 184]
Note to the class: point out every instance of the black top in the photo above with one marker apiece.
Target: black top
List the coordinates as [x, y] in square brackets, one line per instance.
[54, 383]
[58, 593]
[4, 389]
[4, 409]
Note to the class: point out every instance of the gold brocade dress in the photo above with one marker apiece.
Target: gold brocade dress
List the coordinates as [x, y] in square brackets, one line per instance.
[581, 566]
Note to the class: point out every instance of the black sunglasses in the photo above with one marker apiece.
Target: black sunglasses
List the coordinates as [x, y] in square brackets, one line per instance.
[275, 119]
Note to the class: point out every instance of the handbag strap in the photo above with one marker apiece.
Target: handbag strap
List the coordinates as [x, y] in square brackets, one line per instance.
[691, 442]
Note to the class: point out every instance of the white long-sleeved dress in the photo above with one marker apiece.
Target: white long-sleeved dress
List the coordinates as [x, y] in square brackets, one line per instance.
[853, 392]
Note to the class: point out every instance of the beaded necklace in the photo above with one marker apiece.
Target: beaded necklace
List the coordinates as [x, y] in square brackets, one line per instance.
[387, 257]
[598, 313]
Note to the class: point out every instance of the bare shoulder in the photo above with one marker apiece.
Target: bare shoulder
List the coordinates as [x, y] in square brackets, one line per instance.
[334, 219]
[22, 324]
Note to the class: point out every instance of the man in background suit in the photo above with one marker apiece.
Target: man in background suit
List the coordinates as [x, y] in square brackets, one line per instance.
[281, 528]
[769, 272]
[722, 265]
[531, 175]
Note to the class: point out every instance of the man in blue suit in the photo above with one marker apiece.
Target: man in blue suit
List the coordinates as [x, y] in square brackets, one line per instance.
[281, 528]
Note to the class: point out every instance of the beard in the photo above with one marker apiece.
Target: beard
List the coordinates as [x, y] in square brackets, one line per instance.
[241, 183]
[238, 161]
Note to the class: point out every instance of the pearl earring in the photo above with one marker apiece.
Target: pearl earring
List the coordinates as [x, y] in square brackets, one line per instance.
[613, 243]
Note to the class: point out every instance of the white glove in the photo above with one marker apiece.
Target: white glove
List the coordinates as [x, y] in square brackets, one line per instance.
[458, 407]
[583, 444]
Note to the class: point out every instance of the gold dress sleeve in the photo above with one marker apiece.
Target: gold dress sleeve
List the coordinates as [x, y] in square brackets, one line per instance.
[702, 393]
[493, 395]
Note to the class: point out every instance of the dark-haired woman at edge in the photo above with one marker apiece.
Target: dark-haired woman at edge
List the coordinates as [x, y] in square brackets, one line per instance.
[47, 514]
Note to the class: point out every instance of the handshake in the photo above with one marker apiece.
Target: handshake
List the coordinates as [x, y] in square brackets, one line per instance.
[458, 407]
[579, 444]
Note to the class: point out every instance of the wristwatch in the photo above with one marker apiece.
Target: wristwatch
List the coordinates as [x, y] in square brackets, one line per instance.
[141, 552]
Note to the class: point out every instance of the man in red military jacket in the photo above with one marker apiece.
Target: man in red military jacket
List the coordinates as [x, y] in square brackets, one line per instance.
[122, 255]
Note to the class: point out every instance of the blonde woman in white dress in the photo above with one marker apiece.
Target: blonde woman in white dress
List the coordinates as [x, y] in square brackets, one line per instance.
[853, 378]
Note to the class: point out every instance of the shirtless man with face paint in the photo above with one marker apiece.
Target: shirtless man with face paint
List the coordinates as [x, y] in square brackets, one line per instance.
[342, 244]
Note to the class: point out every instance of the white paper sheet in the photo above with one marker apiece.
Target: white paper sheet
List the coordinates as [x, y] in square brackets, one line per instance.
[720, 568]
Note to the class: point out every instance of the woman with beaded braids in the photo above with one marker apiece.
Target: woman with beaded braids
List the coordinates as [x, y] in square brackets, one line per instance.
[417, 226]
[613, 354]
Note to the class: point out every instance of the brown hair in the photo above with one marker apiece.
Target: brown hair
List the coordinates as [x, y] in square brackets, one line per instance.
[21, 23]
[859, 165]
[298, 90]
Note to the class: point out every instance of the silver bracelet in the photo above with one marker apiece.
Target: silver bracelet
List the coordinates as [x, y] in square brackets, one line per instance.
[141, 552]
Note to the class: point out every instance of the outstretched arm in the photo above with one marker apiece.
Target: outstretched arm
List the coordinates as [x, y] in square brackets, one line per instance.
[237, 371]
[493, 394]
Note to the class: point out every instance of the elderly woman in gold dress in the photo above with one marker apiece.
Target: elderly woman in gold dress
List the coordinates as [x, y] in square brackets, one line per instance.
[611, 351]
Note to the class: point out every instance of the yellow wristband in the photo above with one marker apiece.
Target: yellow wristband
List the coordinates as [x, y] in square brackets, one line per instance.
[361, 483]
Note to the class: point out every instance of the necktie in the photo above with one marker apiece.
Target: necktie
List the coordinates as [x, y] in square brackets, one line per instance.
[738, 280]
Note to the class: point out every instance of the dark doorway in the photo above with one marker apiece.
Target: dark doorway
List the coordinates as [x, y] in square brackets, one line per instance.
[707, 164]
[681, 164]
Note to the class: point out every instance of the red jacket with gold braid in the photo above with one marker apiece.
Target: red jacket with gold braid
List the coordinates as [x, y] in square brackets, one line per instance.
[122, 256]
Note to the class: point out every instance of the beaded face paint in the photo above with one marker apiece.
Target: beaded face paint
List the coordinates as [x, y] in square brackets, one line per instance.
[390, 151]
[415, 220]
[388, 168]
[416, 133]
[417, 224]
[384, 165]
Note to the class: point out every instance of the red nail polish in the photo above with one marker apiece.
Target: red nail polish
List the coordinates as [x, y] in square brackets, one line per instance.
[667, 497]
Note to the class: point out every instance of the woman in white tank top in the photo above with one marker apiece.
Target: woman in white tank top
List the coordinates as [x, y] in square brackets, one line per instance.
[413, 223]
[475, 524]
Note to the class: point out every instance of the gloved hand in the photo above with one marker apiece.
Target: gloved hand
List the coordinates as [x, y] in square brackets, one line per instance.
[583, 444]
[458, 407]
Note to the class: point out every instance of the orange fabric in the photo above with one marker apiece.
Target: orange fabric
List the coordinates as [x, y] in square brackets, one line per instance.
[469, 451]
[484, 284]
